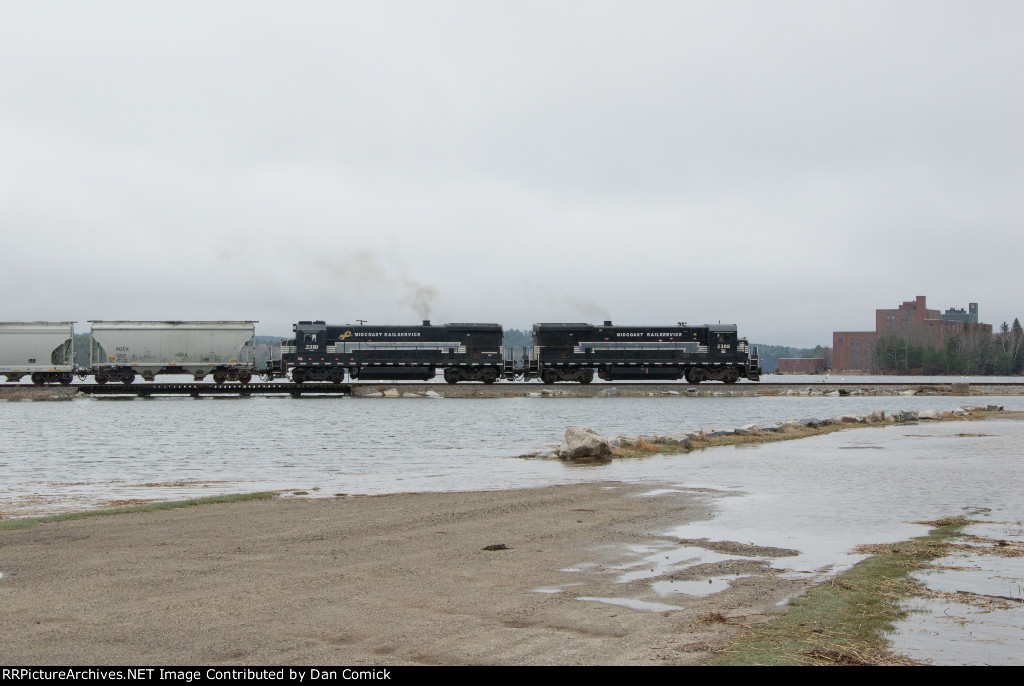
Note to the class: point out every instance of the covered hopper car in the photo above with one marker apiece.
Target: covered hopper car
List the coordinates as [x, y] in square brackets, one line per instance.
[121, 349]
[44, 350]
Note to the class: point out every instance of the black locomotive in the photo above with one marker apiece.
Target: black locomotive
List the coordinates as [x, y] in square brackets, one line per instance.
[466, 352]
[473, 352]
[711, 352]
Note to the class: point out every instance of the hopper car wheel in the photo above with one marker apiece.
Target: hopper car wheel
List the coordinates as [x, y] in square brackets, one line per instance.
[244, 377]
[127, 378]
[219, 377]
[38, 379]
[101, 379]
[731, 376]
[65, 379]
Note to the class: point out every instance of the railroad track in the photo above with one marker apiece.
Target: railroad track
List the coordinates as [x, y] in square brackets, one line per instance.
[320, 388]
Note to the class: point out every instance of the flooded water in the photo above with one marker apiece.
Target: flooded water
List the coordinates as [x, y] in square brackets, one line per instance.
[80, 453]
[818, 497]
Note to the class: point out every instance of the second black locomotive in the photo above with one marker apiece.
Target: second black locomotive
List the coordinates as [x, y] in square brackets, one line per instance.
[710, 352]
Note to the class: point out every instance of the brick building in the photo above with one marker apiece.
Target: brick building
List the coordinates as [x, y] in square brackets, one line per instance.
[852, 350]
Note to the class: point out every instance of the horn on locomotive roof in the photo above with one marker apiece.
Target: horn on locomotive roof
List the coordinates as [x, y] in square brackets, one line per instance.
[607, 322]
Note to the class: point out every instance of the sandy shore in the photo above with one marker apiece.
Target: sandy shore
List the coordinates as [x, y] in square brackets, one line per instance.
[401, 579]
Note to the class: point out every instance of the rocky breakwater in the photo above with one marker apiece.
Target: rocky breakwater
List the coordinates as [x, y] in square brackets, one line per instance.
[26, 392]
[582, 444]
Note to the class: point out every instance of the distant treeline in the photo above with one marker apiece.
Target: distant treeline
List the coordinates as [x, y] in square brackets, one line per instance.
[972, 351]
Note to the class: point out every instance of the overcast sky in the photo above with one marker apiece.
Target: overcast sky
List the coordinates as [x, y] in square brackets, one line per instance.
[785, 166]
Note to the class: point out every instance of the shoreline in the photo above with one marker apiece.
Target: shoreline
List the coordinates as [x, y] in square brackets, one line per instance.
[596, 390]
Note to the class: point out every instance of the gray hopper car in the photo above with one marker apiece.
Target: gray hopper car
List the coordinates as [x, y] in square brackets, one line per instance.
[122, 349]
[44, 350]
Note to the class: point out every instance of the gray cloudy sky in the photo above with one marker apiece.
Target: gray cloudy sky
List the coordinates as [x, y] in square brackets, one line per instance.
[786, 166]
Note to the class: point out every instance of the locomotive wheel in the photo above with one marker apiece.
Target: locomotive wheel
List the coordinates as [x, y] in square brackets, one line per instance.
[127, 378]
[696, 375]
[731, 376]
[298, 376]
[38, 379]
[587, 376]
[548, 376]
[337, 377]
[450, 376]
[244, 377]
[490, 375]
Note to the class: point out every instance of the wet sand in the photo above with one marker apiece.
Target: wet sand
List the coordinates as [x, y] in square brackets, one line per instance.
[399, 579]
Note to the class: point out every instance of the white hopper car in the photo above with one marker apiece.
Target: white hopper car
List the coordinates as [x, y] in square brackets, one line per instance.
[44, 350]
[121, 349]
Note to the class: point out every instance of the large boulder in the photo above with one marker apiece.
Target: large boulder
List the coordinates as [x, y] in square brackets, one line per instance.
[583, 443]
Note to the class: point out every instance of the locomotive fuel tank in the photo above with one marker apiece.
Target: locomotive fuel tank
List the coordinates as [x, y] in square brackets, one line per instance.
[44, 350]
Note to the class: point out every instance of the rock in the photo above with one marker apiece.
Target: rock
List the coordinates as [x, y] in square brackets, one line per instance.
[905, 416]
[853, 419]
[908, 392]
[607, 393]
[581, 442]
[876, 416]
[748, 429]
[933, 415]
[678, 440]
[432, 394]
[409, 394]
[391, 393]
